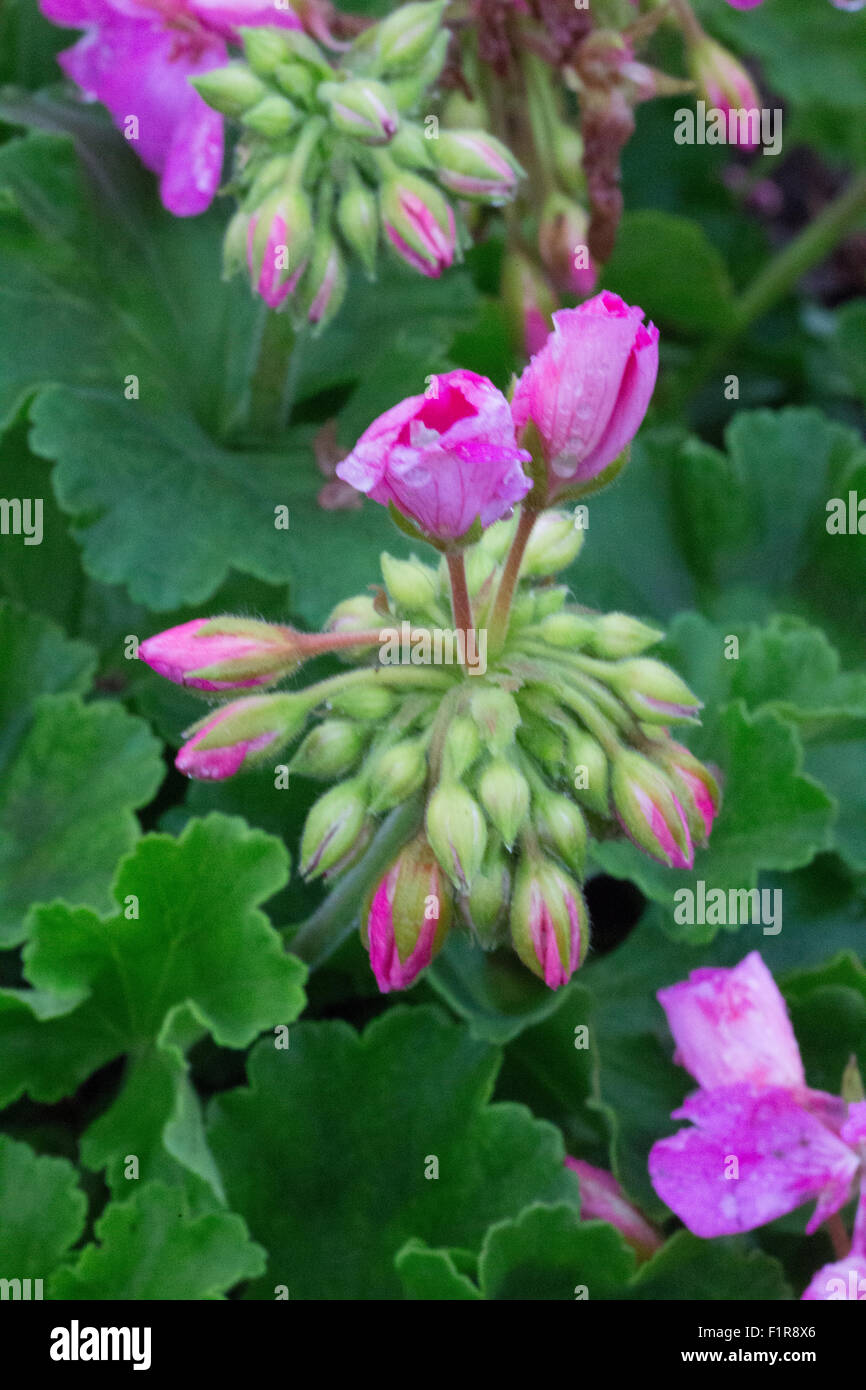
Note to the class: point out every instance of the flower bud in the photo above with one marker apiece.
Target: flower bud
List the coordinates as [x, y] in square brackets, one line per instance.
[694, 785]
[497, 715]
[480, 565]
[333, 824]
[322, 287]
[653, 691]
[304, 50]
[488, 899]
[460, 748]
[496, 539]
[549, 921]
[396, 773]
[265, 49]
[616, 635]
[411, 148]
[554, 543]
[549, 600]
[602, 1199]
[568, 159]
[725, 85]
[589, 770]
[362, 108]
[456, 831]
[404, 38]
[278, 240]
[504, 793]
[563, 247]
[297, 82]
[329, 750]
[273, 116]
[243, 734]
[231, 90]
[418, 222]
[528, 302]
[411, 584]
[357, 614]
[474, 165]
[407, 918]
[358, 221]
[569, 630]
[374, 701]
[649, 812]
[560, 827]
[215, 654]
[543, 741]
[407, 88]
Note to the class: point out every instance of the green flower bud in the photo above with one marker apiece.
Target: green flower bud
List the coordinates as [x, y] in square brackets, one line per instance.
[498, 537]
[304, 50]
[561, 827]
[404, 38]
[549, 600]
[358, 614]
[273, 263]
[269, 174]
[362, 108]
[235, 244]
[407, 90]
[333, 824]
[231, 90]
[396, 773]
[265, 49]
[497, 715]
[477, 166]
[569, 630]
[653, 691]
[616, 635]
[589, 770]
[568, 160]
[364, 701]
[329, 750]
[411, 584]
[460, 747]
[549, 921]
[273, 117]
[322, 287]
[411, 148]
[457, 833]
[407, 917]
[543, 742]
[480, 565]
[649, 811]
[297, 81]
[504, 793]
[524, 609]
[554, 543]
[358, 221]
[488, 899]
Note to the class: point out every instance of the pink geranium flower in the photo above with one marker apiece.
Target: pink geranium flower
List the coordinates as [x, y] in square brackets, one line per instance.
[443, 460]
[136, 57]
[762, 1142]
[588, 389]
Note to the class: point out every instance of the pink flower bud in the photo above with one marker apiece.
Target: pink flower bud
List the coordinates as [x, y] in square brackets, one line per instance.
[549, 921]
[221, 653]
[651, 815]
[408, 917]
[419, 223]
[726, 86]
[588, 388]
[562, 244]
[697, 789]
[223, 742]
[443, 460]
[473, 164]
[602, 1199]
[278, 240]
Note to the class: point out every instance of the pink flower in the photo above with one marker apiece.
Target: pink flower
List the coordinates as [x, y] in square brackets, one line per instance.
[212, 654]
[136, 57]
[443, 461]
[602, 1199]
[762, 1142]
[588, 388]
[844, 1279]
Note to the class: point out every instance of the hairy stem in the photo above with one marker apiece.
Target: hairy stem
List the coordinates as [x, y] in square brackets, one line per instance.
[460, 604]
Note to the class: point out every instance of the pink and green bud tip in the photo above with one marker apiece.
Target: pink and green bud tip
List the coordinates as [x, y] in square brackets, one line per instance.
[279, 235]
[727, 87]
[333, 826]
[418, 223]
[219, 654]
[404, 39]
[652, 691]
[408, 917]
[244, 734]
[549, 921]
[472, 164]
[563, 246]
[649, 811]
[457, 832]
[602, 1199]
[361, 108]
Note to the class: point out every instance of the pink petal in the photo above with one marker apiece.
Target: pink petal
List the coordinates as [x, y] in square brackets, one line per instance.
[845, 1279]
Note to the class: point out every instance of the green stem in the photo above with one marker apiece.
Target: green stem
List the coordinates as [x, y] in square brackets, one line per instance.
[779, 277]
[508, 583]
[460, 604]
[319, 936]
[270, 400]
[390, 676]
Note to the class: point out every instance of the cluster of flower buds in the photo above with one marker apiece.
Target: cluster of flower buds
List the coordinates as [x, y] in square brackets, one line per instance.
[510, 723]
[335, 157]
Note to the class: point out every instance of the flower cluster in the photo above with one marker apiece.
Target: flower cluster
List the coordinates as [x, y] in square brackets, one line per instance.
[516, 723]
[790, 1142]
[331, 160]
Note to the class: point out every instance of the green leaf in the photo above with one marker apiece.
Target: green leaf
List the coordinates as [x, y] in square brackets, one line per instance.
[666, 264]
[72, 775]
[350, 1125]
[849, 342]
[432, 1274]
[198, 957]
[42, 1211]
[828, 1010]
[147, 1248]
[711, 1270]
[497, 995]
[548, 1253]
[838, 766]
[772, 817]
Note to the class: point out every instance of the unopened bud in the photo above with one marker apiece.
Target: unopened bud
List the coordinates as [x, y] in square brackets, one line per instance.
[329, 750]
[407, 88]
[616, 635]
[418, 223]
[333, 824]
[373, 701]
[404, 38]
[694, 785]
[456, 831]
[219, 654]
[265, 49]
[589, 770]
[273, 116]
[726, 86]
[245, 734]
[396, 773]
[497, 716]
[488, 900]
[412, 585]
[549, 921]
[358, 221]
[477, 166]
[461, 747]
[362, 108]
[231, 90]
[411, 148]
[322, 287]
[407, 918]
[278, 241]
[562, 244]
[653, 692]
[569, 630]
[554, 543]
[649, 812]
[297, 81]
[504, 793]
[561, 827]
